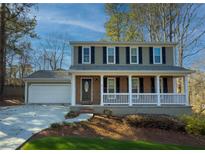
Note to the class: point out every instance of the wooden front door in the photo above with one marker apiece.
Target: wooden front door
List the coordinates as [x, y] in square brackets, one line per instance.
[86, 90]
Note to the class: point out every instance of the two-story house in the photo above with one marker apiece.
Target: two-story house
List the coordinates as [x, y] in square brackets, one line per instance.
[126, 77]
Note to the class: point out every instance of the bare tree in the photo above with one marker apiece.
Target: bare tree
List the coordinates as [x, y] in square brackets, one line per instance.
[52, 51]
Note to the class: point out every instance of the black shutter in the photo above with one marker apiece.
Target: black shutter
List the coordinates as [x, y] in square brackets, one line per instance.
[92, 55]
[127, 84]
[141, 85]
[151, 55]
[152, 85]
[117, 55]
[105, 85]
[163, 55]
[79, 55]
[140, 55]
[128, 55]
[117, 84]
[104, 55]
[165, 88]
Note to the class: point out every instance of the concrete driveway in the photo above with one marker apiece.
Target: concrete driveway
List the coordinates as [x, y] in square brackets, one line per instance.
[17, 124]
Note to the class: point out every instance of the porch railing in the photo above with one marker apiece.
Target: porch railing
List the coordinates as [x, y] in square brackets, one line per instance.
[116, 98]
[143, 98]
[172, 98]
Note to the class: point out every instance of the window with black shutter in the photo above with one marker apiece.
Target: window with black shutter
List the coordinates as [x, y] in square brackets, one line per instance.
[127, 55]
[92, 55]
[141, 85]
[117, 85]
[165, 86]
[163, 55]
[105, 85]
[104, 55]
[117, 55]
[80, 55]
[152, 85]
[140, 55]
[151, 55]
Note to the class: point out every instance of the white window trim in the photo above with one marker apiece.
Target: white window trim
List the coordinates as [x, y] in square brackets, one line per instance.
[114, 84]
[107, 55]
[137, 55]
[138, 86]
[83, 62]
[160, 55]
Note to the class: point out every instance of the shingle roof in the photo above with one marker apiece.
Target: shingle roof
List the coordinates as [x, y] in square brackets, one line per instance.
[48, 74]
[130, 67]
[120, 43]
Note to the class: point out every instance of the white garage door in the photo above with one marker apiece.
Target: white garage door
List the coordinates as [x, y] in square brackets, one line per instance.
[49, 93]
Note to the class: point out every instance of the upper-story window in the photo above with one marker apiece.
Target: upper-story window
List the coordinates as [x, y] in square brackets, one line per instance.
[134, 55]
[86, 55]
[111, 55]
[157, 55]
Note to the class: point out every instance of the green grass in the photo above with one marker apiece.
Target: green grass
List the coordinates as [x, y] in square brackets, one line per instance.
[78, 143]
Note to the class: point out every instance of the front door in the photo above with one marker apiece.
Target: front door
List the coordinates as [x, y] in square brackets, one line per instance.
[86, 90]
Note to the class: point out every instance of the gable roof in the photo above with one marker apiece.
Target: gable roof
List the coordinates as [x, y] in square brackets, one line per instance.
[48, 74]
[73, 43]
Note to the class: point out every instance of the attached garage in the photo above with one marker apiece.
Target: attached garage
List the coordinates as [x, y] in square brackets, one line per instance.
[48, 87]
[49, 93]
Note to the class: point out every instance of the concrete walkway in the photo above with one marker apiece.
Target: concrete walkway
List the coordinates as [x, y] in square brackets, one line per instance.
[17, 124]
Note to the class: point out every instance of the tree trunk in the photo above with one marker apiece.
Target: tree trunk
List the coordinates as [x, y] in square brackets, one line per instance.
[2, 49]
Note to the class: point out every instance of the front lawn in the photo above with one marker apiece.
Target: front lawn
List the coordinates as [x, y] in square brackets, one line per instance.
[80, 143]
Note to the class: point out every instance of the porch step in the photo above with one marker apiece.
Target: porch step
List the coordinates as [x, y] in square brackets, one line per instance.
[86, 110]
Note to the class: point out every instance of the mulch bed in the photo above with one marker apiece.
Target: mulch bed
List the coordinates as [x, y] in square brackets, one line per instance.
[11, 101]
[118, 128]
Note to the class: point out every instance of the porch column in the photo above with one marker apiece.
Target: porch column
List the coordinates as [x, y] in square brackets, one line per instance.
[186, 89]
[174, 85]
[101, 89]
[130, 90]
[158, 90]
[26, 95]
[73, 90]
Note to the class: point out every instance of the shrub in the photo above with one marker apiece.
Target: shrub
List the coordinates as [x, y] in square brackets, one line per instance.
[108, 112]
[55, 125]
[195, 124]
[155, 121]
[72, 124]
[71, 114]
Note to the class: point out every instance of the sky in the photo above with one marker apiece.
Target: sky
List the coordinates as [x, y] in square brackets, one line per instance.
[77, 21]
[73, 22]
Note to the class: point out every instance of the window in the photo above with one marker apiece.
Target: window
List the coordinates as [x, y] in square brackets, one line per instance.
[157, 55]
[133, 55]
[161, 85]
[110, 55]
[111, 87]
[86, 58]
[135, 85]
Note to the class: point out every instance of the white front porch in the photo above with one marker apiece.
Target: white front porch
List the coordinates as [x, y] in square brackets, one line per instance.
[129, 98]
[157, 98]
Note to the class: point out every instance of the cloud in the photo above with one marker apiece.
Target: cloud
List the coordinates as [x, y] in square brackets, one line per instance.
[78, 23]
[58, 19]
